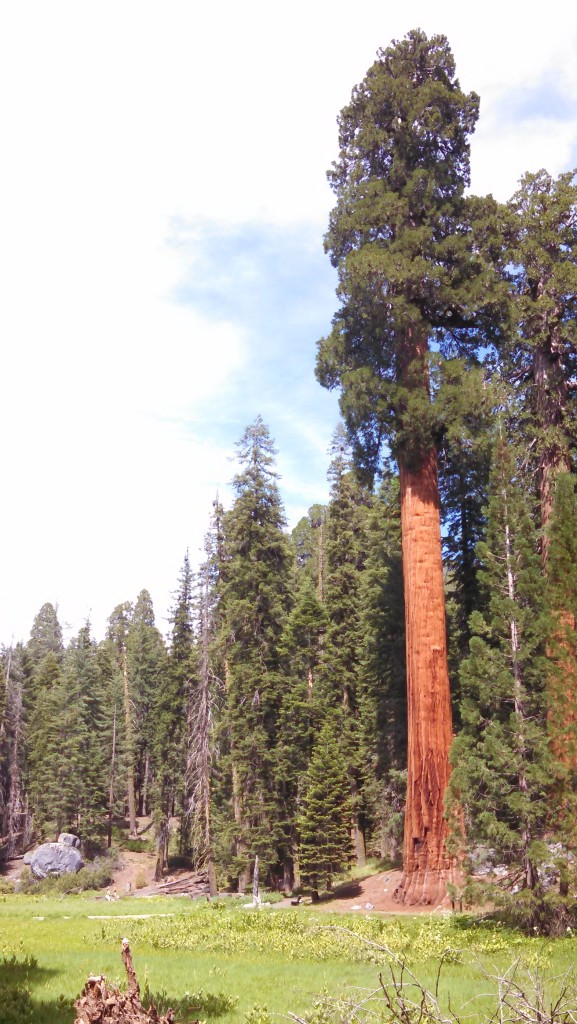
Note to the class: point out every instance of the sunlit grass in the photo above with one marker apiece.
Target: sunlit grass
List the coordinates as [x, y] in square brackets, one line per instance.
[276, 958]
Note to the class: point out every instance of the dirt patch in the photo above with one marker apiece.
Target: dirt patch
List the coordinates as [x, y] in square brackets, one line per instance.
[370, 894]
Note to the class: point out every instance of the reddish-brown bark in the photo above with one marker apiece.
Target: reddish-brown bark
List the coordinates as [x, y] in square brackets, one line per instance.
[427, 866]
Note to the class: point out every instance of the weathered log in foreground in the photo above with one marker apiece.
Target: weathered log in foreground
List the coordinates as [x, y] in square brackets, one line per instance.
[101, 1003]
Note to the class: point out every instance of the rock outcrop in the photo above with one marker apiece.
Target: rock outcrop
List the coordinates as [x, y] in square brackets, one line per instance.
[55, 859]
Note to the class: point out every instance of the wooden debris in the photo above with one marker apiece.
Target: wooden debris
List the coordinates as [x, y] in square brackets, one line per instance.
[196, 884]
[100, 1003]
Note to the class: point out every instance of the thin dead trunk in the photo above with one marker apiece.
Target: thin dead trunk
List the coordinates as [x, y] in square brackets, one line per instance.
[145, 784]
[528, 866]
[240, 846]
[427, 866]
[199, 755]
[162, 840]
[357, 837]
[129, 744]
[320, 584]
[551, 396]
[112, 778]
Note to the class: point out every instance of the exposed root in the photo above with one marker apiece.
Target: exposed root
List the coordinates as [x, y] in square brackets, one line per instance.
[101, 1003]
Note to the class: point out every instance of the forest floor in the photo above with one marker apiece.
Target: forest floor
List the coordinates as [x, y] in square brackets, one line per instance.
[135, 876]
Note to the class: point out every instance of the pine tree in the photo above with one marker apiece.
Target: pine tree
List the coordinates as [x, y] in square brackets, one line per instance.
[255, 595]
[146, 660]
[324, 820]
[45, 635]
[169, 717]
[302, 709]
[342, 647]
[415, 263]
[543, 253]
[383, 675]
[562, 645]
[501, 760]
[16, 825]
[200, 719]
[87, 694]
[117, 635]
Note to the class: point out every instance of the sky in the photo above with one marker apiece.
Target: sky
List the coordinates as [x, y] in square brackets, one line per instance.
[163, 279]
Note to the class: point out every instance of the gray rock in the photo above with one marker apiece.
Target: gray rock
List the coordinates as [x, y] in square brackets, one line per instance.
[69, 840]
[482, 860]
[28, 857]
[55, 859]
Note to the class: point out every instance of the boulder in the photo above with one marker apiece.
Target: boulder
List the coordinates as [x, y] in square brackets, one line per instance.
[69, 840]
[55, 859]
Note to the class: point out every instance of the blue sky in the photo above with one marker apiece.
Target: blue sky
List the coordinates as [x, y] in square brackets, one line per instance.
[163, 206]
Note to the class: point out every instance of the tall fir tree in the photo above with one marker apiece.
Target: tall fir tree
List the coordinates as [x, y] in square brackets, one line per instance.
[543, 268]
[501, 759]
[146, 660]
[562, 648]
[117, 635]
[324, 820]
[383, 674]
[345, 552]
[256, 596]
[200, 739]
[169, 716]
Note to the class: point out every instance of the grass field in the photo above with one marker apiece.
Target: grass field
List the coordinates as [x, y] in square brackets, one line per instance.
[219, 962]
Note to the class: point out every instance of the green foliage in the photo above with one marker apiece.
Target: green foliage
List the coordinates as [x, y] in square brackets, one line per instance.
[255, 596]
[413, 254]
[15, 999]
[190, 1007]
[502, 765]
[326, 806]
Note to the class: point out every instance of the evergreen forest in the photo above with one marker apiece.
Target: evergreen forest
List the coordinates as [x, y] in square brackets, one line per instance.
[396, 677]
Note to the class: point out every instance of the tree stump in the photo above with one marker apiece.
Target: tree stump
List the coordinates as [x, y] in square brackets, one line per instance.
[101, 1003]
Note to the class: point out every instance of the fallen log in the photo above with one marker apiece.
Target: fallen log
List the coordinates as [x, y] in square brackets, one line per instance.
[194, 885]
[101, 1003]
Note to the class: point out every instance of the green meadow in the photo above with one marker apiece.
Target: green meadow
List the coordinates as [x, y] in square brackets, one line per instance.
[220, 962]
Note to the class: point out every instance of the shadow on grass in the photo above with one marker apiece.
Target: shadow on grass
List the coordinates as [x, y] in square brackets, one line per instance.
[18, 979]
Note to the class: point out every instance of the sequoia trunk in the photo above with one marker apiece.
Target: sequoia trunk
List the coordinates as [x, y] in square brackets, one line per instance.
[427, 866]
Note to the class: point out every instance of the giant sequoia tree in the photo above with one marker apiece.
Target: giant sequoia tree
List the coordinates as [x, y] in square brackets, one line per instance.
[411, 269]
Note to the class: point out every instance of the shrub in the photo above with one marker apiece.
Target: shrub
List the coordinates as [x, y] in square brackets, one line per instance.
[140, 879]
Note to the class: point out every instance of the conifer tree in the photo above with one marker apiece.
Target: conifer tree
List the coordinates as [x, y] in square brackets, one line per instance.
[117, 635]
[46, 634]
[415, 262]
[324, 820]
[255, 595]
[16, 825]
[383, 676]
[169, 716]
[562, 646]
[543, 253]
[52, 731]
[303, 709]
[501, 760]
[87, 691]
[200, 718]
[342, 647]
[146, 660]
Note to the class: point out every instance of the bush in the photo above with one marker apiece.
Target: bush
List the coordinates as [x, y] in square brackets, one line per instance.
[140, 879]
